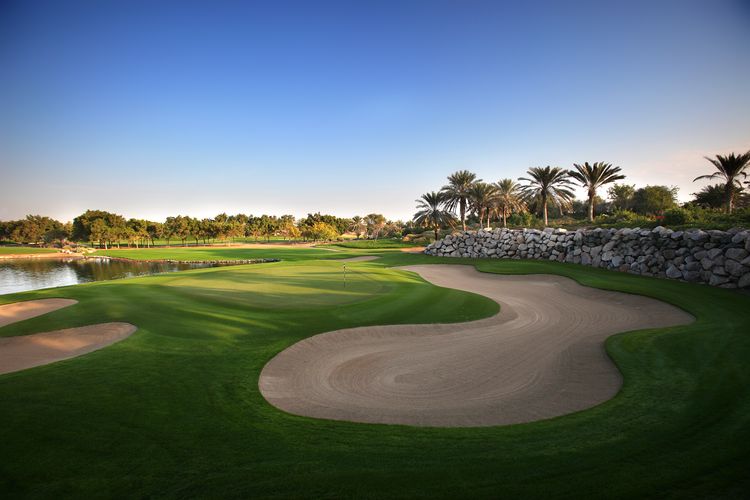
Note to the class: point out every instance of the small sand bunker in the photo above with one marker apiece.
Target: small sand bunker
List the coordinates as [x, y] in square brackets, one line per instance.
[363, 258]
[27, 351]
[542, 356]
[19, 311]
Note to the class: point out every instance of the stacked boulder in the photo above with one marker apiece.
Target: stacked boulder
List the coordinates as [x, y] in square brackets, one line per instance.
[718, 258]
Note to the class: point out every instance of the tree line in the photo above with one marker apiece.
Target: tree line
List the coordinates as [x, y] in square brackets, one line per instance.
[107, 229]
[544, 189]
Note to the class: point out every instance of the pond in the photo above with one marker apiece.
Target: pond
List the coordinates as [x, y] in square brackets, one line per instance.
[20, 275]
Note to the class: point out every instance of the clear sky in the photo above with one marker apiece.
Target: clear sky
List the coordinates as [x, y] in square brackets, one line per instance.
[151, 108]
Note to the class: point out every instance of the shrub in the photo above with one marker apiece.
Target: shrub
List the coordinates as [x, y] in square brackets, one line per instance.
[678, 216]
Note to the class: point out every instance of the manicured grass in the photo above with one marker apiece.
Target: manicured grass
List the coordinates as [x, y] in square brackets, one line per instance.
[225, 253]
[374, 244]
[174, 411]
[7, 250]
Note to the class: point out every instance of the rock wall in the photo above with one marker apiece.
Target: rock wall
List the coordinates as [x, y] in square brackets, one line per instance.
[718, 258]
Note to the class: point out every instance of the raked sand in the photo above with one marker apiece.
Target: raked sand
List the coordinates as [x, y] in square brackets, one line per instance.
[542, 356]
[27, 351]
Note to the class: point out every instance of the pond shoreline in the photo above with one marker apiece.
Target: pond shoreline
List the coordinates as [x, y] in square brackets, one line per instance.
[63, 255]
[172, 261]
[51, 255]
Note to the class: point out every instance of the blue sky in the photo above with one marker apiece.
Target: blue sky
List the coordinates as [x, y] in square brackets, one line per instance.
[156, 108]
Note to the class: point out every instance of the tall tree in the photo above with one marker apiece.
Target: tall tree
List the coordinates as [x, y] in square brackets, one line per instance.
[431, 213]
[358, 225]
[375, 224]
[654, 200]
[482, 198]
[547, 184]
[712, 196]
[458, 192]
[592, 177]
[621, 196]
[730, 169]
[508, 199]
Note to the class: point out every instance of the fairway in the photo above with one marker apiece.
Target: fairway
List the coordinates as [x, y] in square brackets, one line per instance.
[8, 250]
[226, 253]
[175, 410]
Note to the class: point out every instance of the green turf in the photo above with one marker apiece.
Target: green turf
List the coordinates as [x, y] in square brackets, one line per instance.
[174, 411]
[373, 244]
[225, 253]
[7, 250]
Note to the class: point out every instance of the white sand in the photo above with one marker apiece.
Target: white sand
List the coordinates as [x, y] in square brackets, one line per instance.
[542, 356]
[26, 351]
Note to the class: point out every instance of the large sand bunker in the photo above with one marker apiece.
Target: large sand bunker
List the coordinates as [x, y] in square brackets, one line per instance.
[542, 356]
[27, 351]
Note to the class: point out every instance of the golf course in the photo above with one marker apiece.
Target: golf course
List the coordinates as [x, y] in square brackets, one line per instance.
[174, 408]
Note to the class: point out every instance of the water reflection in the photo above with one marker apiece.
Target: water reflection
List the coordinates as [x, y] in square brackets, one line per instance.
[19, 275]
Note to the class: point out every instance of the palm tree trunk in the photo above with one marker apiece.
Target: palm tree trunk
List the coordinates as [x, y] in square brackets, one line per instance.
[462, 207]
[592, 195]
[437, 233]
[505, 218]
[544, 209]
[729, 193]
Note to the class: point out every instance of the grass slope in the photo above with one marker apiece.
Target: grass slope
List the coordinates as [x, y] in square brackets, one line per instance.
[373, 244]
[224, 253]
[175, 411]
[6, 250]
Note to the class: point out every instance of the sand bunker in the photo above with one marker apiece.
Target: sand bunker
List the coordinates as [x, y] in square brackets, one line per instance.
[27, 351]
[542, 356]
[19, 311]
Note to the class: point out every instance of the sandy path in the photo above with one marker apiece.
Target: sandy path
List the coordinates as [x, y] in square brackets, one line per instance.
[27, 351]
[19, 311]
[542, 356]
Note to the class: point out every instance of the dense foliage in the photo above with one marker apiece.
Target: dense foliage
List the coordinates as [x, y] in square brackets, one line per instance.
[106, 229]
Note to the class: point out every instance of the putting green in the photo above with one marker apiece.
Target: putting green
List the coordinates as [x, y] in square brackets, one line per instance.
[175, 411]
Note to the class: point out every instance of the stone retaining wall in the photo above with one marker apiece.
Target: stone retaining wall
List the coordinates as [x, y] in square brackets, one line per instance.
[718, 258]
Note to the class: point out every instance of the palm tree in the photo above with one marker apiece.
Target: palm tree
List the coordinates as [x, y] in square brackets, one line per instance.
[592, 177]
[729, 168]
[547, 184]
[482, 198]
[457, 192]
[431, 213]
[357, 225]
[509, 199]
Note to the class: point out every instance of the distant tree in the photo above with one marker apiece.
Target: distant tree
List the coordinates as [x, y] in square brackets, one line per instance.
[178, 227]
[621, 196]
[138, 231]
[654, 200]
[714, 196]
[547, 184]
[594, 176]
[375, 224]
[482, 197]
[320, 231]
[731, 169]
[287, 228]
[116, 225]
[457, 192]
[358, 226]
[431, 213]
[509, 199]
[98, 231]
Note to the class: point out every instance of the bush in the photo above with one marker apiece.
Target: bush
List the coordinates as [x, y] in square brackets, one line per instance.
[678, 216]
[525, 219]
